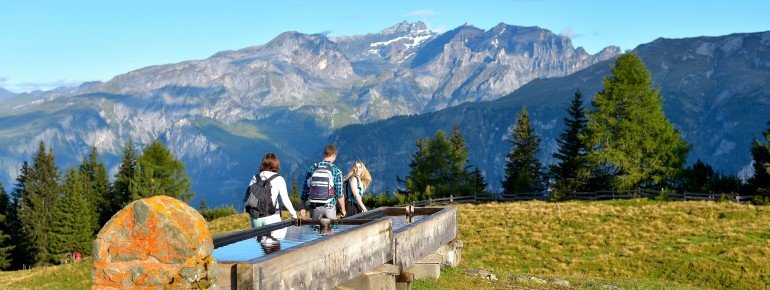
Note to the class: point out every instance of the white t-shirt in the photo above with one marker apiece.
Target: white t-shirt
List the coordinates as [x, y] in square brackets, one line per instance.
[278, 188]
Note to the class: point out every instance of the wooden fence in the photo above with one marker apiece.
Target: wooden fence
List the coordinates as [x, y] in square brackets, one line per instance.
[597, 195]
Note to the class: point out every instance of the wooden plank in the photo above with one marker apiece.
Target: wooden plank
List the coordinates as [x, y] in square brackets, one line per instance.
[423, 237]
[330, 261]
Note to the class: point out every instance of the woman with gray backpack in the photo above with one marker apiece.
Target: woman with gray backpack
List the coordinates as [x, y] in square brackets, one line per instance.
[266, 190]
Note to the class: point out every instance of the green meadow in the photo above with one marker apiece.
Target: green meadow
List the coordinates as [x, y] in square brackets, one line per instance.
[628, 244]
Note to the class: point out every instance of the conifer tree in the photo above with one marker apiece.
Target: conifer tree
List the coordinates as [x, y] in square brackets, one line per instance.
[121, 191]
[440, 163]
[19, 238]
[72, 225]
[5, 246]
[523, 171]
[628, 133]
[476, 181]
[203, 206]
[98, 194]
[570, 157]
[37, 206]
[417, 179]
[158, 172]
[294, 194]
[759, 183]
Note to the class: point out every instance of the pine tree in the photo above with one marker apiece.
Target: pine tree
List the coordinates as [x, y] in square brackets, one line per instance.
[121, 192]
[759, 183]
[476, 180]
[699, 178]
[203, 206]
[417, 179]
[98, 194]
[36, 210]
[628, 133]
[523, 171]
[294, 194]
[158, 172]
[440, 163]
[570, 157]
[19, 238]
[5, 245]
[72, 225]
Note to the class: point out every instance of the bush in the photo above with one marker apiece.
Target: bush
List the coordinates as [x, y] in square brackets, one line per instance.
[218, 212]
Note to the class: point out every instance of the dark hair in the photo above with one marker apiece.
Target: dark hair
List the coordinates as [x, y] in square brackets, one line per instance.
[270, 163]
[330, 151]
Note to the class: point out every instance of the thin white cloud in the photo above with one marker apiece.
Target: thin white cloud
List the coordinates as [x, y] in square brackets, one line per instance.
[40, 86]
[568, 32]
[420, 13]
[3, 79]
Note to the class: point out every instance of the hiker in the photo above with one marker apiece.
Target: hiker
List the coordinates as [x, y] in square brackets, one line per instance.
[322, 191]
[356, 183]
[268, 178]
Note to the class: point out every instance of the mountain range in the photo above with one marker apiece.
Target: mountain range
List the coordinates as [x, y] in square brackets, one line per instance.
[374, 95]
[715, 92]
[5, 94]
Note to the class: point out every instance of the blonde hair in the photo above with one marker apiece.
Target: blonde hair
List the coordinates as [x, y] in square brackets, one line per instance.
[365, 177]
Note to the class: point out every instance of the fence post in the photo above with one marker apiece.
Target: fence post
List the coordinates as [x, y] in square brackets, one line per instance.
[451, 199]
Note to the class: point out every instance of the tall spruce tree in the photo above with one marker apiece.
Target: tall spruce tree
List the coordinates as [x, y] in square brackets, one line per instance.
[417, 179]
[570, 157]
[121, 190]
[628, 133]
[759, 183]
[158, 172]
[37, 206]
[98, 194]
[466, 182]
[72, 224]
[19, 237]
[5, 245]
[523, 171]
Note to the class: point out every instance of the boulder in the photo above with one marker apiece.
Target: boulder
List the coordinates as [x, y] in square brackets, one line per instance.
[154, 242]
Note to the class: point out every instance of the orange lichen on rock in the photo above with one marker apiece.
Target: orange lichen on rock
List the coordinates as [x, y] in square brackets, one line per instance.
[154, 242]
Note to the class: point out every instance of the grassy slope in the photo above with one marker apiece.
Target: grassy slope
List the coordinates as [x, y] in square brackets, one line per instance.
[78, 275]
[629, 244]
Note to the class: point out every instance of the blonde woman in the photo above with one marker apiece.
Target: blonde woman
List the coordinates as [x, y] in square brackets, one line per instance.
[355, 185]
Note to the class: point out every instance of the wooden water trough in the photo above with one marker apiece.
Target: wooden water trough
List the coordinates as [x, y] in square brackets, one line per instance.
[372, 245]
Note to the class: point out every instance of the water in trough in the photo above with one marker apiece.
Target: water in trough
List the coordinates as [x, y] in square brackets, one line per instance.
[286, 238]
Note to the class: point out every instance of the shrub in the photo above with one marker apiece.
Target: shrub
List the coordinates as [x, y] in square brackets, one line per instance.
[218, 212]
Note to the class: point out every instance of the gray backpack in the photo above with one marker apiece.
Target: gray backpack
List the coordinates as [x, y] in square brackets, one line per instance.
[258, 200]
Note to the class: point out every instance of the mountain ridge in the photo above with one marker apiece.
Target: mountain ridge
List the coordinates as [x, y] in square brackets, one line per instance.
[714, 91]
[286, 95]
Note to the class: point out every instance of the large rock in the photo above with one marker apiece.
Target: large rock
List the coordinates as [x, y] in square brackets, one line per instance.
[154, 242]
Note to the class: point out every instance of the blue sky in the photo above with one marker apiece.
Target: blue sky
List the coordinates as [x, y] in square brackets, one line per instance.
[45, 44]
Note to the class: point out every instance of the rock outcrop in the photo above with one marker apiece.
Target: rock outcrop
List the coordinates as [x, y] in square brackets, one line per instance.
[154, 242]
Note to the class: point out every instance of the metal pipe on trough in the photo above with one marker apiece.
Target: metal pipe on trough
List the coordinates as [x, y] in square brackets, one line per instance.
[250, 233]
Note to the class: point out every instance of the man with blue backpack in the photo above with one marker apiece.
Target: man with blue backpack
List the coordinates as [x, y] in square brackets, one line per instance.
[322, 190]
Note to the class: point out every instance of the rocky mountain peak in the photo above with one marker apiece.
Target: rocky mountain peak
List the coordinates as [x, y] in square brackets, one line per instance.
[5, 94]
[293, 38]
[405, 27]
